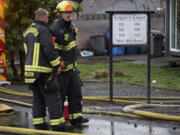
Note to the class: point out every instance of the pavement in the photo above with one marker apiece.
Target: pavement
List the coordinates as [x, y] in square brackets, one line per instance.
[105, 124]
[99, 123]
[134, 58]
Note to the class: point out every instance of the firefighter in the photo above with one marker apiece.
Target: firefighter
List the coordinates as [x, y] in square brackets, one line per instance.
[41, 61]
[65, 34]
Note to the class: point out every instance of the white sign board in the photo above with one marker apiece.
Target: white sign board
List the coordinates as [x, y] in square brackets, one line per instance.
[129, 29]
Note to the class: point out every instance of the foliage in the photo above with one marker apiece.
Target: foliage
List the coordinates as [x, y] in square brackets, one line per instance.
[18, 15]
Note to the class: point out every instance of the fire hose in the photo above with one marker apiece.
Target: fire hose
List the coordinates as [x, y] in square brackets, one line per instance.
[126, 112]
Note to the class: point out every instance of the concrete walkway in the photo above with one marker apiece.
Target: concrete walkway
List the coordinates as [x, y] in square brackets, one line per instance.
[136, 58]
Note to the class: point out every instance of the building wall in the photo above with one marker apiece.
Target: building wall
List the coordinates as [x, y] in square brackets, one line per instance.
[100, 6]
[88, 28]
[93, 20]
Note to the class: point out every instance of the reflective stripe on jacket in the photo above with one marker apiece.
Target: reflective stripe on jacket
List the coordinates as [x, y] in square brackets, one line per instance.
[41, 56]
[65, 42]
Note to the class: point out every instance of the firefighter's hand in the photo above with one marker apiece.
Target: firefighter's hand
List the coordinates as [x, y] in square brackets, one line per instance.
[58, 70]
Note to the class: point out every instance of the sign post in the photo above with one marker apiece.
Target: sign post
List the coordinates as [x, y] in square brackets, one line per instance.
[130, 28]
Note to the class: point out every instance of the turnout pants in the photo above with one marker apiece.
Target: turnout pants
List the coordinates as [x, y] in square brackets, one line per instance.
[70, 86]
[42, 99]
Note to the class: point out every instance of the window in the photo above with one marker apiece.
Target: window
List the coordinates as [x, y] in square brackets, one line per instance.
[175, 26]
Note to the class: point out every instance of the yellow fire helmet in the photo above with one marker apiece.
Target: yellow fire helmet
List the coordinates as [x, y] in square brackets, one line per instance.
[64, 6]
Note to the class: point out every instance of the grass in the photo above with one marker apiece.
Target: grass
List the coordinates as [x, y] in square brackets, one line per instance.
[165, 77]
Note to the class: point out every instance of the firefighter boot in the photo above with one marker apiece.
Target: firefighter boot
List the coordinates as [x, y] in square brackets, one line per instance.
[64, 127]
[79, 121]
[43, 126]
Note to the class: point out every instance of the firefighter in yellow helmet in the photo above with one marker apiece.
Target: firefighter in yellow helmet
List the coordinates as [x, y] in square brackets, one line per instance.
[65, 34]
[63, 6]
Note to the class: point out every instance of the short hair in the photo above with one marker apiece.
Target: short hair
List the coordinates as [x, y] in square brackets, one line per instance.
[40, 12]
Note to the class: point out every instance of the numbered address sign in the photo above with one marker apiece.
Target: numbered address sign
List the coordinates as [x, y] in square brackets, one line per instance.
[129, 29]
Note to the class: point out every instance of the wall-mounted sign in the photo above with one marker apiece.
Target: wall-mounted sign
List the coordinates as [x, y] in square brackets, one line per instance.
[129, 29]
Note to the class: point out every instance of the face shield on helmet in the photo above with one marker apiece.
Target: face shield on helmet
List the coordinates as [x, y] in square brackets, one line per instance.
[63, 6]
